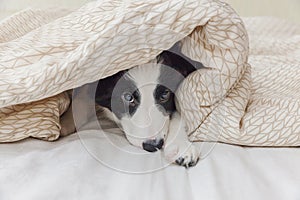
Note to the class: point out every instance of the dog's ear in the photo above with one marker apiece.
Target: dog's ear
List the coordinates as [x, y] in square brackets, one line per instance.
[178, 61]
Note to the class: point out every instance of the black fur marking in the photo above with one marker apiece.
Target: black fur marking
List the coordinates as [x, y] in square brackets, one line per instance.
[176, 67]
[166, 107]
[178, 61]
[110, 91]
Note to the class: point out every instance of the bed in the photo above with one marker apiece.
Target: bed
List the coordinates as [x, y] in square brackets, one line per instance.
[34, 169]
[93, 164]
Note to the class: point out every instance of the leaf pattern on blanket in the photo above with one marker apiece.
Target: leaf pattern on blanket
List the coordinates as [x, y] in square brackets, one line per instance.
[39, 119]
[264, 108]
[53, 53]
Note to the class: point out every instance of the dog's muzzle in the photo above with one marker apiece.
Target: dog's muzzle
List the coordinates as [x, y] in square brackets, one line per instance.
[153, 145]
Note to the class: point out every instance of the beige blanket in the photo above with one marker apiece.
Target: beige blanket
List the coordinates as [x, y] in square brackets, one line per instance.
[44, 53]
[267, 111]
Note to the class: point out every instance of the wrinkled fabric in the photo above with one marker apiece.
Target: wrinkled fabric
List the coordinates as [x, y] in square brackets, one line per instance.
[241, 97]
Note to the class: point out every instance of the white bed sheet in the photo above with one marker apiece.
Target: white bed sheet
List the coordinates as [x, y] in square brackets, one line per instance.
[67, 169]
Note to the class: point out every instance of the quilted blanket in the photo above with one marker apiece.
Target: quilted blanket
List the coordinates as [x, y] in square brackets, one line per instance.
[44, 53]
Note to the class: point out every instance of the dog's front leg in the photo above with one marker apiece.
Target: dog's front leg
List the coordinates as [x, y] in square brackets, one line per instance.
[178, 148]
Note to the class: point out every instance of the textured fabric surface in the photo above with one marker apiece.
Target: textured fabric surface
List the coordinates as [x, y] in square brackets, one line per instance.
[39, 119]
[104, 37]
[266, 112]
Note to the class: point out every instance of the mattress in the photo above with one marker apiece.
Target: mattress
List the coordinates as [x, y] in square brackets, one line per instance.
[103, 165]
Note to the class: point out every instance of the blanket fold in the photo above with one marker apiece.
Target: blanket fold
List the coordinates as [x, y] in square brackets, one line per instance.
[60, 50]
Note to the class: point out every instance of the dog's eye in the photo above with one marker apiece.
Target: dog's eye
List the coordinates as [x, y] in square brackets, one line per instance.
[165, 96]
[128, 97]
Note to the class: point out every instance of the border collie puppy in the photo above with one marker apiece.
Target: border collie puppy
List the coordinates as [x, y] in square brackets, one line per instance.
[142, 102]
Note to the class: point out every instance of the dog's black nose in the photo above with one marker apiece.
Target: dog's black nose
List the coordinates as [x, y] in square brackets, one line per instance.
[153, 145]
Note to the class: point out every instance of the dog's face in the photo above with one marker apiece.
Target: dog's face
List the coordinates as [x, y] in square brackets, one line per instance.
[143, 99]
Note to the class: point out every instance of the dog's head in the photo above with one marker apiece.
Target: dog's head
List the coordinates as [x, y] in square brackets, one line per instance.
[142, 98]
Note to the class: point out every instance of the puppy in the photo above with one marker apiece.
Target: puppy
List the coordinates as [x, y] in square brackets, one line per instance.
[142, 101]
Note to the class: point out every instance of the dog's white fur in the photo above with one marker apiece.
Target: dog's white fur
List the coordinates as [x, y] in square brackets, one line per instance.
[149, 123]
[178, 148]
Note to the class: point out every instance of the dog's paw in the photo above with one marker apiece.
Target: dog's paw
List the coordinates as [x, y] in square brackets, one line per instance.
[184, 155]
[189, 158]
